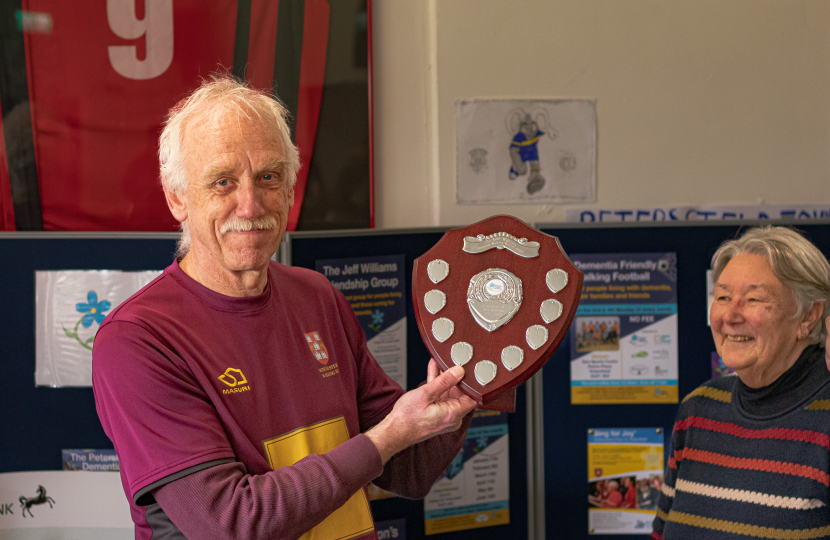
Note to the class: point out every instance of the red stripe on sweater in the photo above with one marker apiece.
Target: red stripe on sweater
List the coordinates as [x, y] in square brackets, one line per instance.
[656, 536]
[799, 435]
[765, 465]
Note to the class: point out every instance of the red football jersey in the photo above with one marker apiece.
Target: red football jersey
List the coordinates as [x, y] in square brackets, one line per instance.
[99, 100]
[103, 78]
[6, 206]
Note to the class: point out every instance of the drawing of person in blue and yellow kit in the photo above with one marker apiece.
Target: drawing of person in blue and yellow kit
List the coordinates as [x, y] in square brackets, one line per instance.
[523, 149]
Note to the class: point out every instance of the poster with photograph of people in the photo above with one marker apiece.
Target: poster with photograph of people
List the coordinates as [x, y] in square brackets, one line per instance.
[625, 476]
[624, 336]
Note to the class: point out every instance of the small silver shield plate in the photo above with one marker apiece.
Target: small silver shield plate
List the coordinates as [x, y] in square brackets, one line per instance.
[442, 329]
[485, 372]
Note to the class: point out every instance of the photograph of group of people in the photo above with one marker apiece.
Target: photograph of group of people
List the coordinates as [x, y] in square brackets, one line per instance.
[625, 492]
[597, 334]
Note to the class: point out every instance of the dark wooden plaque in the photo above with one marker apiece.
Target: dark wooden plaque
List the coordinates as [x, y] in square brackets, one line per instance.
[498, 292]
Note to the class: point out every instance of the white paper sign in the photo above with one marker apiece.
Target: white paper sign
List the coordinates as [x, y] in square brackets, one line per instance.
[70, 306]
[525, 151]
[64, 505]
[698, 213]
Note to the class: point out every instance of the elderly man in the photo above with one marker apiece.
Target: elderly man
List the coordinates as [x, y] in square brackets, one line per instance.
[207, 382]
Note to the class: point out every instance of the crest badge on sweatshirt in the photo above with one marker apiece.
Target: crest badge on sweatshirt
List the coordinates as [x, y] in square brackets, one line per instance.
[318, 348]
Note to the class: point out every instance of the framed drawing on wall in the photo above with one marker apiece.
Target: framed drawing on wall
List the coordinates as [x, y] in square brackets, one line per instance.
[85, 86]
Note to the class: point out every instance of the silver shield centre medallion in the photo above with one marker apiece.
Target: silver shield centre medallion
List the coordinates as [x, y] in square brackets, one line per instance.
[493, 297]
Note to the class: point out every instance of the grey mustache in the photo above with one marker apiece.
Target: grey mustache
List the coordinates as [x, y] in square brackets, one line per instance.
[238, 224]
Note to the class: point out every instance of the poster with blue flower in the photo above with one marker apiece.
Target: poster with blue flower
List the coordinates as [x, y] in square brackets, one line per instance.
[70, 307]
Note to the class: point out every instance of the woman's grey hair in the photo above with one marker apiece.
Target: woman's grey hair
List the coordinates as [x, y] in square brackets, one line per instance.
[218, 95]
[796, 262]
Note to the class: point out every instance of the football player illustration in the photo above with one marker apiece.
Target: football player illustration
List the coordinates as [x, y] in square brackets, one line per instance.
[524, 145]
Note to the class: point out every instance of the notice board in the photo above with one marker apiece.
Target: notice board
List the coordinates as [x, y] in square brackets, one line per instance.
[566, 425]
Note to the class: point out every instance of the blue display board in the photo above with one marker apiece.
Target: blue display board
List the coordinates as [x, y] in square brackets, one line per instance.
[40, 422]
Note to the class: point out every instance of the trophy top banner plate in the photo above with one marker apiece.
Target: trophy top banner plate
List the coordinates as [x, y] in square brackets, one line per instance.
[498, 298]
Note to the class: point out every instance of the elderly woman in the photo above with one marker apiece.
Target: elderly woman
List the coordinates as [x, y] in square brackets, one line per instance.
[750, 454]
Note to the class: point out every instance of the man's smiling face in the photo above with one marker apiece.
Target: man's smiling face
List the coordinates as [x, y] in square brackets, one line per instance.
[236, 180]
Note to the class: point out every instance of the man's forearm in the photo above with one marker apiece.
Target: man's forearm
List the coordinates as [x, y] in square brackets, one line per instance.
[412, 472]
[432, 409]
[226, 502]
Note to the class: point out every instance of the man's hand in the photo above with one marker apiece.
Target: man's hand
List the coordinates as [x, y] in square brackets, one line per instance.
[434, 408]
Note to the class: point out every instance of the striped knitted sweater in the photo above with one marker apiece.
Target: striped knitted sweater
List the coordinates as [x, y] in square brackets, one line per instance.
[751, 463]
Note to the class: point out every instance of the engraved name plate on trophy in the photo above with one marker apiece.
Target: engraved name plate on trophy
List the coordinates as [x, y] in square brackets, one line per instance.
[497, 297]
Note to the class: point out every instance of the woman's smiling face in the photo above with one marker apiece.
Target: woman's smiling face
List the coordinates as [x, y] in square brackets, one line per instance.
[753, 321]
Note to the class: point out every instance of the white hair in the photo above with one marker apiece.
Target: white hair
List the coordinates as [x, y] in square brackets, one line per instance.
[795, 261]
[219, 95]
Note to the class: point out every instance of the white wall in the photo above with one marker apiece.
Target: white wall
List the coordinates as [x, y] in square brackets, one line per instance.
[699, 102]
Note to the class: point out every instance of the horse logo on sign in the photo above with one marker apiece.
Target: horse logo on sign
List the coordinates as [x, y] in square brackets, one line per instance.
[28, 502]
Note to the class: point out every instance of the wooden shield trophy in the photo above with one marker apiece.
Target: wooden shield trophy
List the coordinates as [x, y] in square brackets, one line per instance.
[498, 298]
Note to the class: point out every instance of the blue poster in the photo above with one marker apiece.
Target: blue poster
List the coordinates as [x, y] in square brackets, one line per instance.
[376, 289]
[624, 335]
[89, 460]
[474, 491]
[394, 529]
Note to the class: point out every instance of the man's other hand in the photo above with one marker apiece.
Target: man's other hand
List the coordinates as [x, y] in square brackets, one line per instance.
[434, 408]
